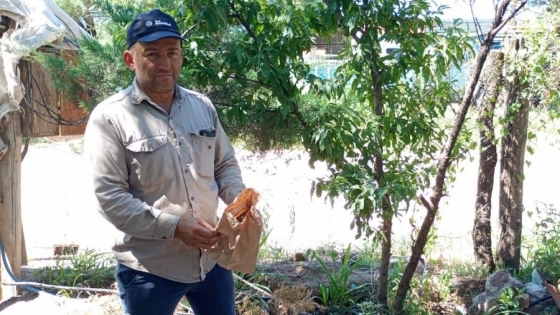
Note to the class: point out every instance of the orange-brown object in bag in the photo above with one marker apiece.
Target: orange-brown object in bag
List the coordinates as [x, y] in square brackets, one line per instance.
[246, 204]
[240, 230]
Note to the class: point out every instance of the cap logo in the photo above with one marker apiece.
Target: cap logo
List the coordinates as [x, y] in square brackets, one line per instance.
[158, 22]
[149, 23]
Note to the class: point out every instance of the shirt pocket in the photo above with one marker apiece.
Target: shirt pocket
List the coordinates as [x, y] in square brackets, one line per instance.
[204, 155]
[151, 161]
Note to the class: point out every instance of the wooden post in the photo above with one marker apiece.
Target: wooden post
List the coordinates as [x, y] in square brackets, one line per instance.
[10, 201]
[512, 158]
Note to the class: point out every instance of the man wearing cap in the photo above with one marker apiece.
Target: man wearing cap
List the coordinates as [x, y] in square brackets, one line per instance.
[160, 161]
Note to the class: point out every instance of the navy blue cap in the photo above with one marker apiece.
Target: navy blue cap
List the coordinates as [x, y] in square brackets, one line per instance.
[151, 26]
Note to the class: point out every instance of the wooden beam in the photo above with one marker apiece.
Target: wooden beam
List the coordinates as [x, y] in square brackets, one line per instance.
[10, 200]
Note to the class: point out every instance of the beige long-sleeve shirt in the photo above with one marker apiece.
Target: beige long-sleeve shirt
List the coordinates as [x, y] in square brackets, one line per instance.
[150, 167]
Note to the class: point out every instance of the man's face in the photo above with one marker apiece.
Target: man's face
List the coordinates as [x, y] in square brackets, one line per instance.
[157, 64]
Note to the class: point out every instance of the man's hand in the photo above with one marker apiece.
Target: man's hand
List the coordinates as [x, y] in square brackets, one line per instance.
[196, 233]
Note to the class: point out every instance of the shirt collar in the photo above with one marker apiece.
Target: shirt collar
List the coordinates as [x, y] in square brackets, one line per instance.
[138, 95]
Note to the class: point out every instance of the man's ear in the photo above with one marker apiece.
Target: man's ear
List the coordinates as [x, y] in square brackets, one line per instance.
[129, 59]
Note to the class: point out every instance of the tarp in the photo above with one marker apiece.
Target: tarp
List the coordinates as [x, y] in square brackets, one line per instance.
[40, 23]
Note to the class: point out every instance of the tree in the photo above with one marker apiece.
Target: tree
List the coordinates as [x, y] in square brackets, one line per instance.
[490, 87]
[80, 11]
[378, 125]
[381, 151]
[531, 79]
[552, 6]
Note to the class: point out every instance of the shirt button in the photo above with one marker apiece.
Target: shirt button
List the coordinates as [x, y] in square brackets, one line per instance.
[164, 237]
[186, 170]
[209, 147]
[192, 198]
[179, 142]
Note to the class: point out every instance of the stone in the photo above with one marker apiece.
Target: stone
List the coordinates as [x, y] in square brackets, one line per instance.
[483, 302]
[500, 280]
[524, 301]
[299, 257]
[535, 291]
[495, 284]
[300, 271]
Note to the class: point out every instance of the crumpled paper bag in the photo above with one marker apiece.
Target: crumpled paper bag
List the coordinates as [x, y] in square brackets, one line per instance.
[240, 230]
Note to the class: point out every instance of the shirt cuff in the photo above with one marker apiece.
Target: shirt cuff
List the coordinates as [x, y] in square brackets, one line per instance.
[165, 226]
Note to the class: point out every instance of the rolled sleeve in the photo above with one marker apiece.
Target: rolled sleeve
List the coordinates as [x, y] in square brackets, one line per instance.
[165, 226]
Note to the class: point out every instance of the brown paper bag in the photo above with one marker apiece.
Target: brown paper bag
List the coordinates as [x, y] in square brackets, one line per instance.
[240, 232]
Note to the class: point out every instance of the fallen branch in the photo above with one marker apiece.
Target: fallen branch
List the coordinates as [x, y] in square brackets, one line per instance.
[252, 286]
[59, 287]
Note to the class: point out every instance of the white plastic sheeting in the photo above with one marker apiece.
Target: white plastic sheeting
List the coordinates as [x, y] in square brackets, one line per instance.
[40, 22]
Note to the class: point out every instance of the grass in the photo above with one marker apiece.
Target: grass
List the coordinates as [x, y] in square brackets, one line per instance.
[339, 291]
[445, 282]
[88, 269]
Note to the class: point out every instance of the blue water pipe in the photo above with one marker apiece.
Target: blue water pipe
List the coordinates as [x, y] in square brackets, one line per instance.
[14, 278]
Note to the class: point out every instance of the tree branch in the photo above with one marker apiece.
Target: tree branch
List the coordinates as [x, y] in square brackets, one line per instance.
[511, 16]
[425, 202]
[477, 27]
[252, 34]
[243, 22]
[236, 77]
[188, 30]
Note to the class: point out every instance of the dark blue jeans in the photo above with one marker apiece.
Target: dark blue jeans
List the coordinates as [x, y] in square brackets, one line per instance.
[143, 293]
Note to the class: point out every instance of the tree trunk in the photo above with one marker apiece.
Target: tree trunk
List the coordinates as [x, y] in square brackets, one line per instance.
[386, 208]
[432, 206]
[10, 201]
[386, 242]
[512, 157]
[482, 229]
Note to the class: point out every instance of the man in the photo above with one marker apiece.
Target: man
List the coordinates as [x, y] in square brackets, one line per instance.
[160, 161]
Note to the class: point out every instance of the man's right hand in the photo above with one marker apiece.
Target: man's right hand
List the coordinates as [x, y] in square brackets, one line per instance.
[196, 233]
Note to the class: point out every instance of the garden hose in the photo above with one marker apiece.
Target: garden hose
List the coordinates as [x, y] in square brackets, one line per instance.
[541, 300]
[14, 278]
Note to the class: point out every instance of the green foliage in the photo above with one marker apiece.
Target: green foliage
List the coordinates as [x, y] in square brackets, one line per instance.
[539, 65]
[551, 5]
[462, 269]
[256, 279]
[416, 304]
[508, 303]
[86, 269]
[381, 130]
[339, 292]
[75, 8]
[96, 71]
[545, 255]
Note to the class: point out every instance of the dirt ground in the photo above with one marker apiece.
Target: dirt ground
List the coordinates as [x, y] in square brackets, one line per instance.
[59, 208]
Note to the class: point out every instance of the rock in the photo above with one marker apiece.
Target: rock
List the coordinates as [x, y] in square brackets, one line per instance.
[299, 257]
[483, 302]
[300, 271]
[524, 301]
[495, 284]
[500, 280]
[459, 310]
[535, 291]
